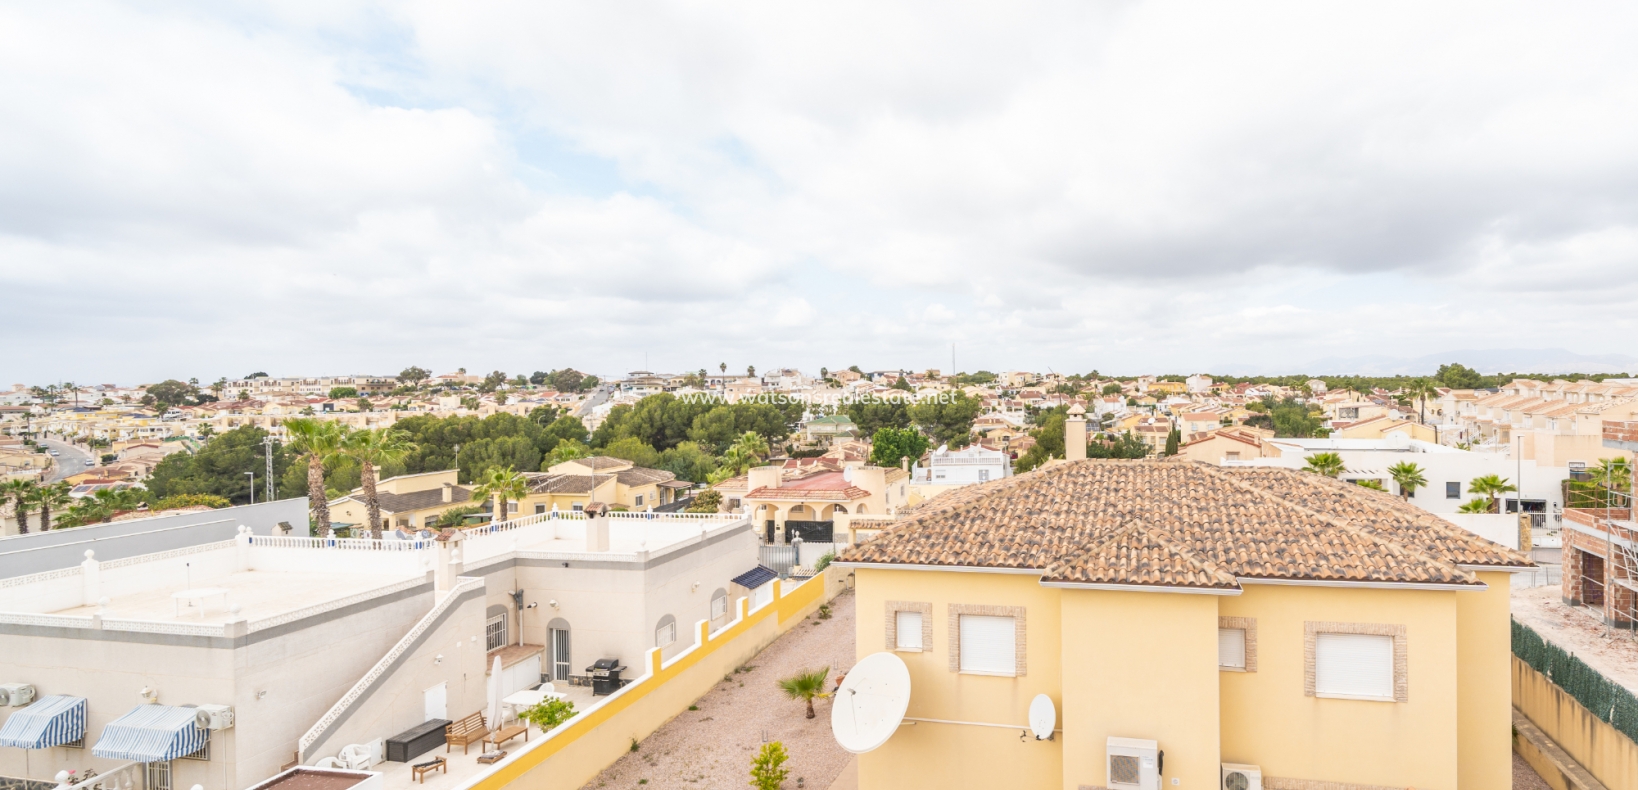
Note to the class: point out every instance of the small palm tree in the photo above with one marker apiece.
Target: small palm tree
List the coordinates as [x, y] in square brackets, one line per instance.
[1613, 473]
[1490, 486]
[21, 494]
[1475, 506]
[48, 498]
[318, 441]
[1375, 485]
[1409, 477]
[806, 686]
[372, 448]
[503, 484]
[1328, 464]
[722, 366]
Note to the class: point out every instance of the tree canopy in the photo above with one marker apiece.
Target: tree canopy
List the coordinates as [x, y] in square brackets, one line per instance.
[889, 445]
[219, 468]
[948, 418]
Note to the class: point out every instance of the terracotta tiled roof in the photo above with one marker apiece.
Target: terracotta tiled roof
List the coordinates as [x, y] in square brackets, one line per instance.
[642, 476]
[548, 483]
[1179, 524]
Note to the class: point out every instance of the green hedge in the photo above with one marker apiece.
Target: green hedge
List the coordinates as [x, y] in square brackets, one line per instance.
[1609, 701]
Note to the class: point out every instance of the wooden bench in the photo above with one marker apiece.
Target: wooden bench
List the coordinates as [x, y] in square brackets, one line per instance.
[505, 734]
[435, 764]
[465, 732]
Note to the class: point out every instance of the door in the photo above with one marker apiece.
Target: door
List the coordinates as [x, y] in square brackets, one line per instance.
[560, 654]
[437, 700]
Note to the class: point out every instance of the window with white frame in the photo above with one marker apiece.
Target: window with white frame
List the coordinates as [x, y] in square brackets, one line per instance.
[907, 630]
[666, 633]
[639, 500]
[1231, 648]
[719, 605]
[1354, 666]
[989, 644]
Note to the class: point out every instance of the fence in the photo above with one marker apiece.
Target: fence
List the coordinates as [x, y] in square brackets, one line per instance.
[779, 559]
[1611, 702]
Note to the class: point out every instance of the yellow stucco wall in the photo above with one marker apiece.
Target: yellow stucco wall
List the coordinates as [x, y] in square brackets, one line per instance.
[951, 755]
[1603, 750]
[1483, 717]
[1267, 720]
[1140, 665]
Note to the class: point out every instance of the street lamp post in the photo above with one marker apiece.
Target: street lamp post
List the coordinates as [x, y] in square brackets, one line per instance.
[252, 487]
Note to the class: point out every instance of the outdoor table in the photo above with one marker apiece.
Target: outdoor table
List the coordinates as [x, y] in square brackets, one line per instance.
[198, 594]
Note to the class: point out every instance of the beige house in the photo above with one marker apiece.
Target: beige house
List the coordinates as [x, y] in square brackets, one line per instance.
[814, 492]
[407, 501]
[1227, 444]
[1382, 427]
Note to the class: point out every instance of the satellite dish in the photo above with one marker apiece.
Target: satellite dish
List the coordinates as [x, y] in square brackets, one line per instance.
[847, 473]
[870, 703]
[1043, 717]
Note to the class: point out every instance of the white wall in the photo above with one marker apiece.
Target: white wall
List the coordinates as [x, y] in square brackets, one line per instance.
[1439, 468]
[1502, 528]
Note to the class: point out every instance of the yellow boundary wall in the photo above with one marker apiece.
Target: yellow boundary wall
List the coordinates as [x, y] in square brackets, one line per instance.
[574, 753]
[1604, 751]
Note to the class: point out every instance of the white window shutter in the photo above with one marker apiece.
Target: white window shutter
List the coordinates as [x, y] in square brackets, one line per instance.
[908, 628]
[1231, 648]
[989, 645]
[1354, 666]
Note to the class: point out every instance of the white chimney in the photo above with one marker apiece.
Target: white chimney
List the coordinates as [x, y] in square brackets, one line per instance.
[1075, 434]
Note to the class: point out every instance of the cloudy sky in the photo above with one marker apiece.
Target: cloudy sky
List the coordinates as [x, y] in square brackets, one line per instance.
[331, 186]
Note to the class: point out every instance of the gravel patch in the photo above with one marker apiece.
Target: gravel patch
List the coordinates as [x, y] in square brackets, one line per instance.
[713, 746]
[1525, 778]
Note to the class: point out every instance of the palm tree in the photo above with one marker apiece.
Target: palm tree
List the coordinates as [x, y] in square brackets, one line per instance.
[1490, 486]
[47, 497]
[1422, 389]
[373, 448]
[1475, 506]
[1328, 464]
[1613, 473]
[503, 484]
[806, 686]
[722, 366]
[1409, 477]
[21, 493]
[751, 444]
[318, 441]
[750, 371]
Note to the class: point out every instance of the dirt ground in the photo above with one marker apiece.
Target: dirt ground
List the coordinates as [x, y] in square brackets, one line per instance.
[1525, 778]
[712, 747]
[1579, 632]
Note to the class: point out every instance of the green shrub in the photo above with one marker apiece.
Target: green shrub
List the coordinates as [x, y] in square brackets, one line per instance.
[549, 714]
[767, 771]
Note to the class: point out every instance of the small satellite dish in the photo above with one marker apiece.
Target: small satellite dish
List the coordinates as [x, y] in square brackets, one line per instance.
[1043, 717]
[871, 702]
[847, 473]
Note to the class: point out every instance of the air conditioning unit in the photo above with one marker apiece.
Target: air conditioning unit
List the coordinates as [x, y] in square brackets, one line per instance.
[16, 694]
[214, 717]
[1134, 764]
[1242, 777]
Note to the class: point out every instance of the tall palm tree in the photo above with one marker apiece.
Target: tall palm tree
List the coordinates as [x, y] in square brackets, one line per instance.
[47, 498]
[750, 371]
[318, 441]
[722, 366]
[1490, 486]
[21, 493]
[751, 444]
[504, 485]
[806, 686]
[373, 448]
[1409, 477]
[1328, 464]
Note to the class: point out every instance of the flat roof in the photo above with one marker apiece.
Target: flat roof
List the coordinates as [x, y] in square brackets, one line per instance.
[258, 594]
[300, 778]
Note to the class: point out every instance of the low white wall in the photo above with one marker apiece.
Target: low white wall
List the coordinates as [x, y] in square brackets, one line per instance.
[1502, 528]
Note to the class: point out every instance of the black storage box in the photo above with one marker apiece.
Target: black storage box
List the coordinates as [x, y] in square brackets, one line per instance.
[416, 741]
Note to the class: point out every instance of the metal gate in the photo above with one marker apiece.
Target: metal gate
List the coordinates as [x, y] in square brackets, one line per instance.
[779, 559]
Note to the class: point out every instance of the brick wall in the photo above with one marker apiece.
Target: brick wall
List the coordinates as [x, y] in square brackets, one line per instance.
[1617, 431]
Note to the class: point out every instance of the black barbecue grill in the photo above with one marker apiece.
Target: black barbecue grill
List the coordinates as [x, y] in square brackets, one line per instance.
[605, 675]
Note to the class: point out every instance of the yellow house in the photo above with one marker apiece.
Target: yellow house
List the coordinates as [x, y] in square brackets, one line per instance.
[617, 482]
[811, 493]
[1225, 444]
[1331, 636]
[407, 501]
[1381, 427]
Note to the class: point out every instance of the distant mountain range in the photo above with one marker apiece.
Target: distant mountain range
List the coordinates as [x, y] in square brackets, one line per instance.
[1487, 361]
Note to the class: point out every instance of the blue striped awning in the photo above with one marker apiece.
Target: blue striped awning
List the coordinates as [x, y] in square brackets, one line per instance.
[50, 721]
[151, 734]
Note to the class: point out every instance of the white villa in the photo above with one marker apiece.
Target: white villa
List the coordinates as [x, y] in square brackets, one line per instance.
[972, 464]
[222, 664]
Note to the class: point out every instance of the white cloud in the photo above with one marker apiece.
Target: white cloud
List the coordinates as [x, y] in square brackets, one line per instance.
[351, 186]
